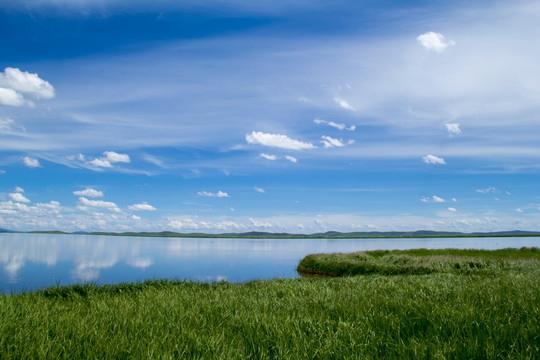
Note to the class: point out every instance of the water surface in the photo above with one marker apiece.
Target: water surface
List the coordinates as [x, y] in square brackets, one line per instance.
[33, 261]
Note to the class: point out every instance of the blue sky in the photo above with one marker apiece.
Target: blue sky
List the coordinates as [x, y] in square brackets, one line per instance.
[297, 116]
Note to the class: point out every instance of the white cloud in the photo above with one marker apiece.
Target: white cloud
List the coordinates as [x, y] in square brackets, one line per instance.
[101, 163]
[291, 158]
[277, 140]
[142, 207]
[490, 189]
[31, 162]
[344, 104]
[431, 159]
[26, 83]
[19, 189]
[114, 157]
[88, 192]
[109, 158]
[10, 97]
[330, 142]
[434, 198]
[434, 41]
[259, 224]
[18, 197]
[219, 194]
[99, 204]
[2, 171]
[135, 217]
[14, 84]
[268, 157]
[258, 189]
[453, 129]
[80, 157]
[519, 210]
[451, 209]
[338, 126]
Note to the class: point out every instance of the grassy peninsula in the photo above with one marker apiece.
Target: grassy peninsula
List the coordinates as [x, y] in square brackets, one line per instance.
[447, 314]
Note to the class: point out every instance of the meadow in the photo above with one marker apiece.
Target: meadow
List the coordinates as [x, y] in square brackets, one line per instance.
[489, 311]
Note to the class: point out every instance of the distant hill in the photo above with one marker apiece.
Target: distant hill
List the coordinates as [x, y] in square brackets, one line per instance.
[324, 235]
[4, 230]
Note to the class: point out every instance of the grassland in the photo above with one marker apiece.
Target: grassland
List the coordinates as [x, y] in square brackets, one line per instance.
[476, 314]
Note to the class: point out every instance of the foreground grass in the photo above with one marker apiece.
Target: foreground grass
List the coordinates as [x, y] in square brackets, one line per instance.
[440, 315]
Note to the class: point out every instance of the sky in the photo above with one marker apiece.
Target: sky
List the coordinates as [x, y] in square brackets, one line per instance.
[281, 116]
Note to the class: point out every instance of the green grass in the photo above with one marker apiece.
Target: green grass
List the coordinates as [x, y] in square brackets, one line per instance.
[441, 315]
[422, 261]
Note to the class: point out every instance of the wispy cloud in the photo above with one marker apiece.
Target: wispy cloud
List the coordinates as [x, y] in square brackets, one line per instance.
[277, 141]
[89, 192]
[431, 159]
[219, 194]
[490, 189]
[344, 104]
[268, 157]
[434, 41]
[434, 198]
[142, 207]
[291, 159]
[453, 129]
[338, 126]
[258, 189]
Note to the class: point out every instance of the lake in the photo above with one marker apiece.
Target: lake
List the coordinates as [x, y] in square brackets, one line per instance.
[33, 261]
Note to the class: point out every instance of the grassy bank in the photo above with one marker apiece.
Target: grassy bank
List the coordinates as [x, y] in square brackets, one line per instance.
[422, 261]
[438, 315]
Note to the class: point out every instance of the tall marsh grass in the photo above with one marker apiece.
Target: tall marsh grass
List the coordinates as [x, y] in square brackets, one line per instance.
[443, 315]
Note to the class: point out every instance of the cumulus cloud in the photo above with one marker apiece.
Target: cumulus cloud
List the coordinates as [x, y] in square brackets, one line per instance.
[15, 84]
[219, 194]
[258, 189]
[334, 125]
[453, 129]
[344, 104]
[89, 192]
[31, 162]
[101, 163]
[142, 207]
[291, 158]
[277, 140]
[431, 159]
[10, 97]
[109, 158]
[268, 157]
[18, 197]
[434, 41]
[451, 209]
[114, 157]
[99, 204]
[519, 210]
[19, 189]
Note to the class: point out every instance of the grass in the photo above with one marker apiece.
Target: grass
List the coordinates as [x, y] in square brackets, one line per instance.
[441, 315]
[421, 261]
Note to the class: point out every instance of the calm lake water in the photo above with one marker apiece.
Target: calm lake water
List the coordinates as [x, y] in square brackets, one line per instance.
[33, 261]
